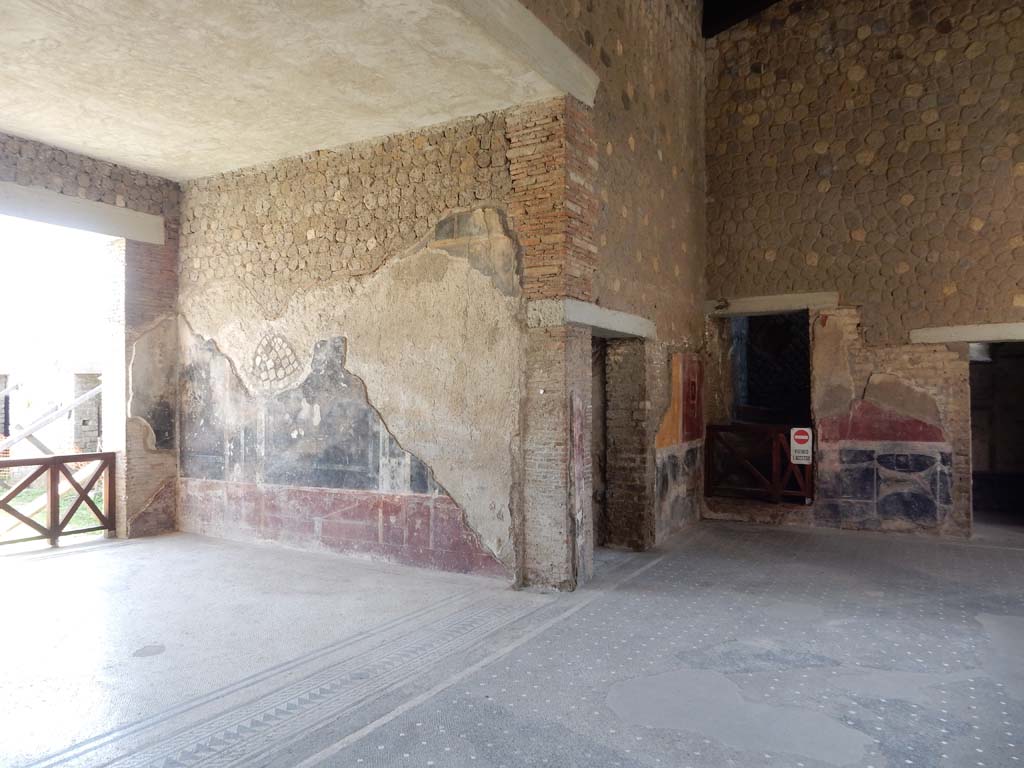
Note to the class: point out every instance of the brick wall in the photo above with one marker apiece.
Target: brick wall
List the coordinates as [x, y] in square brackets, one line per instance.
[646, 209]
[552, 162]
[871, 147]
[558, 525]
[942, 374]
[630, 445]
[580, 418]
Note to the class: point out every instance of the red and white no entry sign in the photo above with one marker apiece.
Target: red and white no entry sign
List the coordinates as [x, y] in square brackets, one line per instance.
[801, 448]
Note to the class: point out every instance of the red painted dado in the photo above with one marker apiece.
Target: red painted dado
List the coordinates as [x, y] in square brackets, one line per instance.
[869, 421]
[412, 529]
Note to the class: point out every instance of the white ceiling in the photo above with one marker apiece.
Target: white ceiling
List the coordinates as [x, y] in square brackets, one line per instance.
[190, 88]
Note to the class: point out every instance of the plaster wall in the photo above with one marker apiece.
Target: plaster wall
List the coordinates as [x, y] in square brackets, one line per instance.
[359, 244]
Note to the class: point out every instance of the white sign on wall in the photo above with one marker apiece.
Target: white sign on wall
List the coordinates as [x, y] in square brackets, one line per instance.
[801, 445]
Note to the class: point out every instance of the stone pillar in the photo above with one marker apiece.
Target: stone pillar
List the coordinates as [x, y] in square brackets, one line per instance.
[552, 159]
[88, 422]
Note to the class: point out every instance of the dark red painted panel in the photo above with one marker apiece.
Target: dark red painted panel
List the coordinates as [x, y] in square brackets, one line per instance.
[870, 421]
[412, 529]
[693, 397]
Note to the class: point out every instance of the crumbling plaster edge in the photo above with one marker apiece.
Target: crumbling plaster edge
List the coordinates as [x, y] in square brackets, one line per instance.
[149, 442]
[507, 561]
[191, 289]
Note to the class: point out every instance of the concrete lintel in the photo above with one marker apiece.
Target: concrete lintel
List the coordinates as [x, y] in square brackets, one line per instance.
[985, 332]
[603, 322]
[527, 38]
[771, 305]
[66, 211]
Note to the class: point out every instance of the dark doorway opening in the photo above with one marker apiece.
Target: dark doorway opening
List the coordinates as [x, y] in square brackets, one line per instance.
[997, 434]
[770, 382]
[622, 507]
[771, 369]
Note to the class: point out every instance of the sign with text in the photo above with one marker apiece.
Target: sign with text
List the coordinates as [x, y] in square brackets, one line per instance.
[801, 445]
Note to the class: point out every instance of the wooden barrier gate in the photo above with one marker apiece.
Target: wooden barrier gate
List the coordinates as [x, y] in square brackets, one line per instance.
[752, 461]
[58, 470]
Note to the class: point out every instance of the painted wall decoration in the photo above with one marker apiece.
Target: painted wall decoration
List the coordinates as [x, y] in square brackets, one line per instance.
[314, 465]
[684, 419]
[679, 446]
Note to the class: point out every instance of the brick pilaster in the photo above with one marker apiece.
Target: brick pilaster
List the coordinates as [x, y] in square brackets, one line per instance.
[552, 160]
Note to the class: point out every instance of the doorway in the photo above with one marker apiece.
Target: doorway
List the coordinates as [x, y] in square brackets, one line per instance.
[769, 370]
[997, 438]
[62, 377]
[622, 481]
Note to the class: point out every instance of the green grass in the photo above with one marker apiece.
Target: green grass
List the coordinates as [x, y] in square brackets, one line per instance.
[83, 517]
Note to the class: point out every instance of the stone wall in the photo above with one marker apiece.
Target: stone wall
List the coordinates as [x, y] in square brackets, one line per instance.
[272, 232]
[874, 148]
[150, 294]
[418, 253]
[648, 125]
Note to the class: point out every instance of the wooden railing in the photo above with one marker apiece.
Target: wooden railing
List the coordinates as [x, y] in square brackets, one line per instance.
[752, 461]
[70, 479]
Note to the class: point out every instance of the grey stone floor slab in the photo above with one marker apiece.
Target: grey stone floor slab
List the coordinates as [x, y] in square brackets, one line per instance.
[736, 646]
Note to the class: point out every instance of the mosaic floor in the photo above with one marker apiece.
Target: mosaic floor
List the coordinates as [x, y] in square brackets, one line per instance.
[737, 646]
